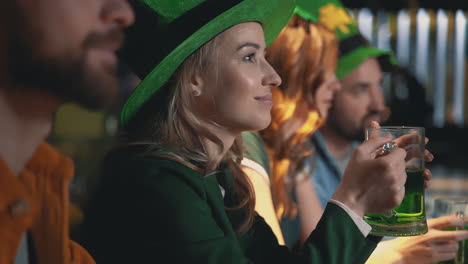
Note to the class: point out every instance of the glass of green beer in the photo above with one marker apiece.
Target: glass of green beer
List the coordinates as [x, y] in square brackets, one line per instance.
[454, 205]
[409, 218]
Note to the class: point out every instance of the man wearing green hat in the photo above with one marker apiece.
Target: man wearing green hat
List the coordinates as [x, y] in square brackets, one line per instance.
[51, 52]
[360, 101]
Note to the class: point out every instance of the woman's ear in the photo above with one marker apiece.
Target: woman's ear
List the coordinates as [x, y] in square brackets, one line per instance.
[196, 83]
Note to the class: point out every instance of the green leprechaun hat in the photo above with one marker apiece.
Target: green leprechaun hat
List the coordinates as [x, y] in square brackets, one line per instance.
[354, 48]
[166, 32]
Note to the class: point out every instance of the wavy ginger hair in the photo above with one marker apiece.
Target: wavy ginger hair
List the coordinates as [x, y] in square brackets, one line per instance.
[304, 55]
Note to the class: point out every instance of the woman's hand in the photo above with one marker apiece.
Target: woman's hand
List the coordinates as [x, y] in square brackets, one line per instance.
[373, 183]
[428, 157]
[434, 246]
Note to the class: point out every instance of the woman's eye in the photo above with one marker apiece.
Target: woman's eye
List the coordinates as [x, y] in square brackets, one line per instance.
[249, 58]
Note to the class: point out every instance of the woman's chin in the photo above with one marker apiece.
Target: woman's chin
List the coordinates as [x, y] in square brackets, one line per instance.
[260, 124]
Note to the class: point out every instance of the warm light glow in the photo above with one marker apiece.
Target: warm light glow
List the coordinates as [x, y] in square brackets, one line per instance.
[281, 167]
[285, 111]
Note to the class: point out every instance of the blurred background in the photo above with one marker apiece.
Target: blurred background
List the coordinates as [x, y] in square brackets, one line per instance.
[393, 5]
[430, 90]
[429, 39]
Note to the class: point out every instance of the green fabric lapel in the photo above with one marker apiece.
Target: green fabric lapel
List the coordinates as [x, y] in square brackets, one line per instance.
[229, 218]
[215, 198]
[231, 200]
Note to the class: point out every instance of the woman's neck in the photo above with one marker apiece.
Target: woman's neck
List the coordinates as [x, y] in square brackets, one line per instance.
[226, 137]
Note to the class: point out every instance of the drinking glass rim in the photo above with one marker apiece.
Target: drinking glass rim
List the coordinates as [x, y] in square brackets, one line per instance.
[456, 199]
[398, 128]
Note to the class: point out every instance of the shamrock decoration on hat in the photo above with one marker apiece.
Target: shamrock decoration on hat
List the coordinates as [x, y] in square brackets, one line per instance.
[354, 48]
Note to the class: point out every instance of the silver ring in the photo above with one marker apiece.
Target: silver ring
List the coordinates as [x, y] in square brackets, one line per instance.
[389, 146]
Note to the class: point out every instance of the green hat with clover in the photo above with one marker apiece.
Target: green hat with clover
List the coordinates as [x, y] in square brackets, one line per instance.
[354, 48]
[167, 32]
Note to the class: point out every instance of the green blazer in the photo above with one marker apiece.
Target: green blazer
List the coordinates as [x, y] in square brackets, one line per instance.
[153, 210]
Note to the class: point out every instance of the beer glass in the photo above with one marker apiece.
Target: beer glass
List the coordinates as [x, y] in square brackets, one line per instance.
[453, 205]
[409, 218]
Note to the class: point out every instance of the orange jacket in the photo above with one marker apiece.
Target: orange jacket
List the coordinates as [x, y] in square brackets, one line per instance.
[37, 200]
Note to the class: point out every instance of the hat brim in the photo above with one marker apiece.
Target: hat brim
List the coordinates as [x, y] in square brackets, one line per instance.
[352, 60]
[272, 14]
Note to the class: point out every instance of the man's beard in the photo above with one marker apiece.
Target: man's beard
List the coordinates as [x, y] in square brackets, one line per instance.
[70, 78]
[345, 130]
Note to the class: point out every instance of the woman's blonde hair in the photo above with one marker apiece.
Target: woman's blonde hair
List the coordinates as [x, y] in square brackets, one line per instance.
[168, 123]
[304, 55]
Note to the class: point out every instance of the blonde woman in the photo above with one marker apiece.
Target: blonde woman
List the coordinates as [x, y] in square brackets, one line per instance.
[175, 191]
[305, 56]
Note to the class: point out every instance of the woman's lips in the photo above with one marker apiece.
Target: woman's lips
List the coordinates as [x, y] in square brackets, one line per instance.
[267, 98]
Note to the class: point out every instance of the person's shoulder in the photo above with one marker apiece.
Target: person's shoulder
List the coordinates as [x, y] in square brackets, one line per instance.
[255, 149]
[317, 139]
[142, 164]
[50, 164]
[141, 155]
